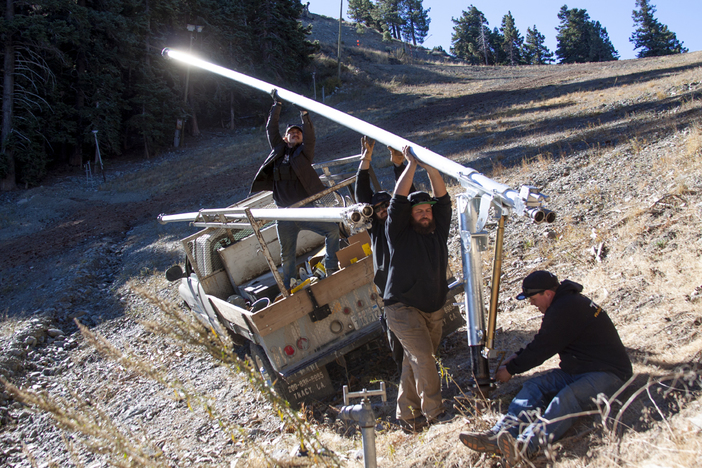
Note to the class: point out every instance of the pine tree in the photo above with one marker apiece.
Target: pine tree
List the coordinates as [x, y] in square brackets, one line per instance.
[86, 66]
[388, 17]
[361, 11]
[601, 48]
[535, 51]
[512, 42]
[471, 37]
[653, 38]
[496, 54]
[7, 152]
[416, 21]
[581, 40]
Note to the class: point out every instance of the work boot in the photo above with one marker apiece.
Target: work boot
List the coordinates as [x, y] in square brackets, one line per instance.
[513, 451]
[441, 418]
[414, 425]
[485, 441]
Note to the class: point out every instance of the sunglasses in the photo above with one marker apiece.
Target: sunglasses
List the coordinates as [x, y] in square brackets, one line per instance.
[381, 206]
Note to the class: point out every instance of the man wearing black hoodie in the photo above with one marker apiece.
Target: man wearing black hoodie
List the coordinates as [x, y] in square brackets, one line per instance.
[593, 361]
[417, 231]
[288, 173]
[380, 201]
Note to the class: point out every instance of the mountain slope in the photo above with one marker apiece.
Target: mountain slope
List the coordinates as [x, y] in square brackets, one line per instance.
[618, 148]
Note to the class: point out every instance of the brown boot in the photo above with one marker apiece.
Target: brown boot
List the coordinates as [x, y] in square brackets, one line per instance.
[485, 441]
[513, 451]
[414, 425]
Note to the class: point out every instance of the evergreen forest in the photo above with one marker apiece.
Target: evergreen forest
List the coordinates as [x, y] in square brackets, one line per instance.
[89, 74]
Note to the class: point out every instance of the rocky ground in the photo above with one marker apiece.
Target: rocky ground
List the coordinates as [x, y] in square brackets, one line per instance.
[629, 209]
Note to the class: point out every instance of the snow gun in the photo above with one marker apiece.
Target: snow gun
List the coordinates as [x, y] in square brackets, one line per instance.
[473, 207]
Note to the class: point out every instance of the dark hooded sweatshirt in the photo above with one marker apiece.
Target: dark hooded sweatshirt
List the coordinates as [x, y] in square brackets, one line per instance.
[379, 242]
[418, 262]
[580, 332]
[288, 172]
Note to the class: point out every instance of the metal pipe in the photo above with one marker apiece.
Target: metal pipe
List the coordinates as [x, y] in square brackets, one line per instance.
[338, 53]
[495, 286]
[282, 287]
[473, 241]
[326, 191]
[472, 270]
[364, 415]
[469, 178]
[550, 215]
[338, 161]
[536, 214]
[332, 215]
[368, 441]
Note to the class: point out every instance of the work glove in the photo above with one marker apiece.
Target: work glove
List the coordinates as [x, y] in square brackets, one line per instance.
[276, 98]
[302, 110]
[367, 145]
[396, 157]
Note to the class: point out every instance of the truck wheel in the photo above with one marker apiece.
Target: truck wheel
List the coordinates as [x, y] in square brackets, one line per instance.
[237, 340]
[260, 360]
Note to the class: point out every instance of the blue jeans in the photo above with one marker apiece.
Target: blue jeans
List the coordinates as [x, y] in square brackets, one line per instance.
[287, 235]
[561, 394]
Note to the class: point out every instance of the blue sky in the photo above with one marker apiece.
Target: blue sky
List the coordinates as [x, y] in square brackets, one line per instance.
[683, 17]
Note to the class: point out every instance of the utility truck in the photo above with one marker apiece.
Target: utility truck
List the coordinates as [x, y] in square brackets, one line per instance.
[232, 284]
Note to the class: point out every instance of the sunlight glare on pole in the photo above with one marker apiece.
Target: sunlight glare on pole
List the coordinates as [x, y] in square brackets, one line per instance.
[191, 59]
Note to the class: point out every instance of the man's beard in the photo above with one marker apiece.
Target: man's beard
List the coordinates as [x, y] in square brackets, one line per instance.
[422, 229]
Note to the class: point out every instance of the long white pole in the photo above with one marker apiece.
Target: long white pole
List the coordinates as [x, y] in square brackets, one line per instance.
[471, 179]
[330, 214]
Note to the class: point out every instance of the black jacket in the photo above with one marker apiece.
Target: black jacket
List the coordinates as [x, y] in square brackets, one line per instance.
[379, 242]
[300, 160]
[580, 332]
[418, 262]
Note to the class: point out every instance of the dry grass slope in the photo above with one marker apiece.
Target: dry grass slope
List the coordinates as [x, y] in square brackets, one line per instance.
[617, 146]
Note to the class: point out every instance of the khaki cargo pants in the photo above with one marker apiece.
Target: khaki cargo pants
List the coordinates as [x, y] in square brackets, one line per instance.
[420, 384]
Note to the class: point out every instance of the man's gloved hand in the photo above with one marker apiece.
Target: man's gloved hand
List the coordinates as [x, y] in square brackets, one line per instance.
[396, 157]
[302, 110]
[367, 145]
[276, 98]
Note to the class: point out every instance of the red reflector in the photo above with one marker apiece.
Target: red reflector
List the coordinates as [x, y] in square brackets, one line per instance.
[347, 310]
[303, 344]
[289, 350]
[359, 304]
[373, 297]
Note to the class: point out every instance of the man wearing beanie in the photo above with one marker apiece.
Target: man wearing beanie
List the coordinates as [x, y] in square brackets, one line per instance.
[417, 230]
[593, 361]
[380, 201]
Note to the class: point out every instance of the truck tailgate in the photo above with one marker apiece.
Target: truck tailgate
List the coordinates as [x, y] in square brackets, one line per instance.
[283, 312]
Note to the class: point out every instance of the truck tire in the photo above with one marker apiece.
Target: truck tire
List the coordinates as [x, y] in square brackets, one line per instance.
[260, 360]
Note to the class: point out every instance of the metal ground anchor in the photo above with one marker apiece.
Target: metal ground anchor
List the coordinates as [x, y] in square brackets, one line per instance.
[365, 417]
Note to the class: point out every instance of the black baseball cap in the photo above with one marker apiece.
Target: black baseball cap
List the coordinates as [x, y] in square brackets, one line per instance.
[380, 197]
[299, 127]
[537, 282]
[421, 198]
